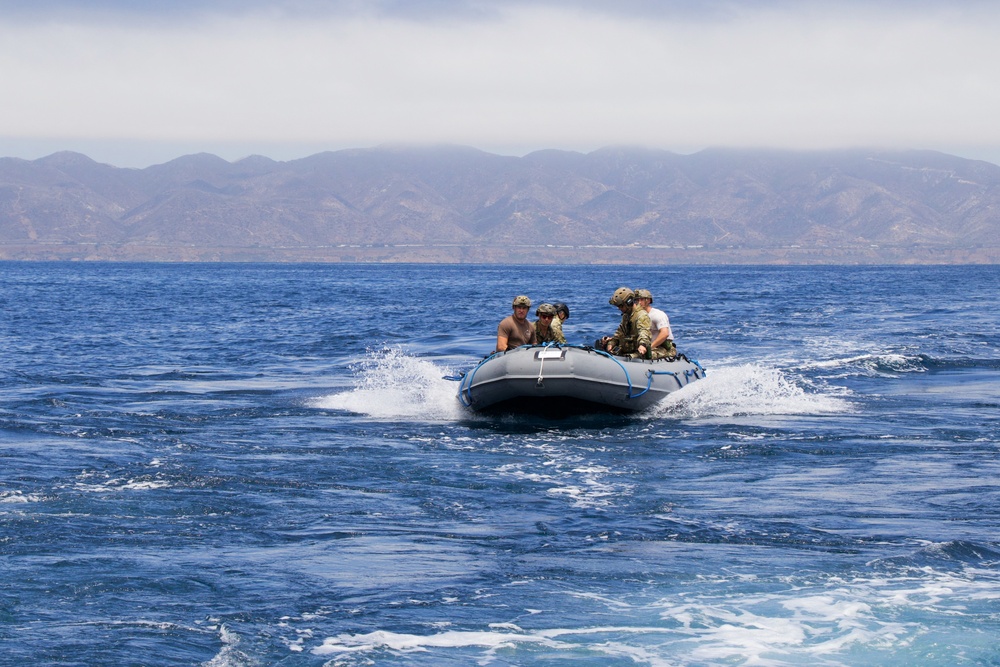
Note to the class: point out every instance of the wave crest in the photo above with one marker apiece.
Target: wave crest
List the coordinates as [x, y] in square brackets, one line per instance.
[872, 365]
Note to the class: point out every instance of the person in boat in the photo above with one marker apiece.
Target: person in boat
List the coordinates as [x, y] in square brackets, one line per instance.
[515, 329]
[562, 313]
[545, 332]
[662, 345]
[632, 337]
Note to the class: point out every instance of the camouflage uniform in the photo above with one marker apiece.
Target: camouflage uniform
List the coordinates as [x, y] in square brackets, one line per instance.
[547, 336]
[556, 329]
[544, 333]
[632, 332]
[666, 351]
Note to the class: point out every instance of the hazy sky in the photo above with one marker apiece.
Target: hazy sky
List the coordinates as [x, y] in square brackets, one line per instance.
[135, 83]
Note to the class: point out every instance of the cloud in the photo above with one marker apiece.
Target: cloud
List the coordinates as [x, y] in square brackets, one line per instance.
[495, 75]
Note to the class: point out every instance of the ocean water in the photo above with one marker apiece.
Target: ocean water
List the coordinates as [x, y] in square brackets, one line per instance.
[229, 465]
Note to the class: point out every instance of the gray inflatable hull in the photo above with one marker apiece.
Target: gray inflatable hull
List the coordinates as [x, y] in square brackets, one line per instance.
[563, 377]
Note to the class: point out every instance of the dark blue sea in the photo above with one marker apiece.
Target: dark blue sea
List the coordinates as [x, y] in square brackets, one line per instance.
[249, 464]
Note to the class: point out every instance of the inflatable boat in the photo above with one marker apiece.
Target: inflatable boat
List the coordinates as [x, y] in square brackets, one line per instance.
[567, 379]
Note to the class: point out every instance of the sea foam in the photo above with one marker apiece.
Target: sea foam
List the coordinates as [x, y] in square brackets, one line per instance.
[392, 384]
[746, 390]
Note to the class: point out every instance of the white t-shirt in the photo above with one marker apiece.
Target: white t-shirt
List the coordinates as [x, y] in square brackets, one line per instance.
[659, 320]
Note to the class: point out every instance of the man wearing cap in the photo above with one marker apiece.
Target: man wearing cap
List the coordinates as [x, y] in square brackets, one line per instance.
[515, 329]
[662, 346]
[545, 330]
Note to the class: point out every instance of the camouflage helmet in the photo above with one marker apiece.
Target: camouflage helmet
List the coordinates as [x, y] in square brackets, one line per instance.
[623, 296]
[546, 309]
[561, 308]
[644, 294]
[522, 301]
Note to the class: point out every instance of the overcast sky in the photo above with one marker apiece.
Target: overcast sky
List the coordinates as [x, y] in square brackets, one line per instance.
[135, 83]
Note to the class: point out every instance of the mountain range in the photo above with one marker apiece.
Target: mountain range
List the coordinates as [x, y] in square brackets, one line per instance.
[460, 204]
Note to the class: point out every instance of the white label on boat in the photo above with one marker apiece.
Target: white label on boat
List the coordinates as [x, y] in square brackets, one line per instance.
[550, 354]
